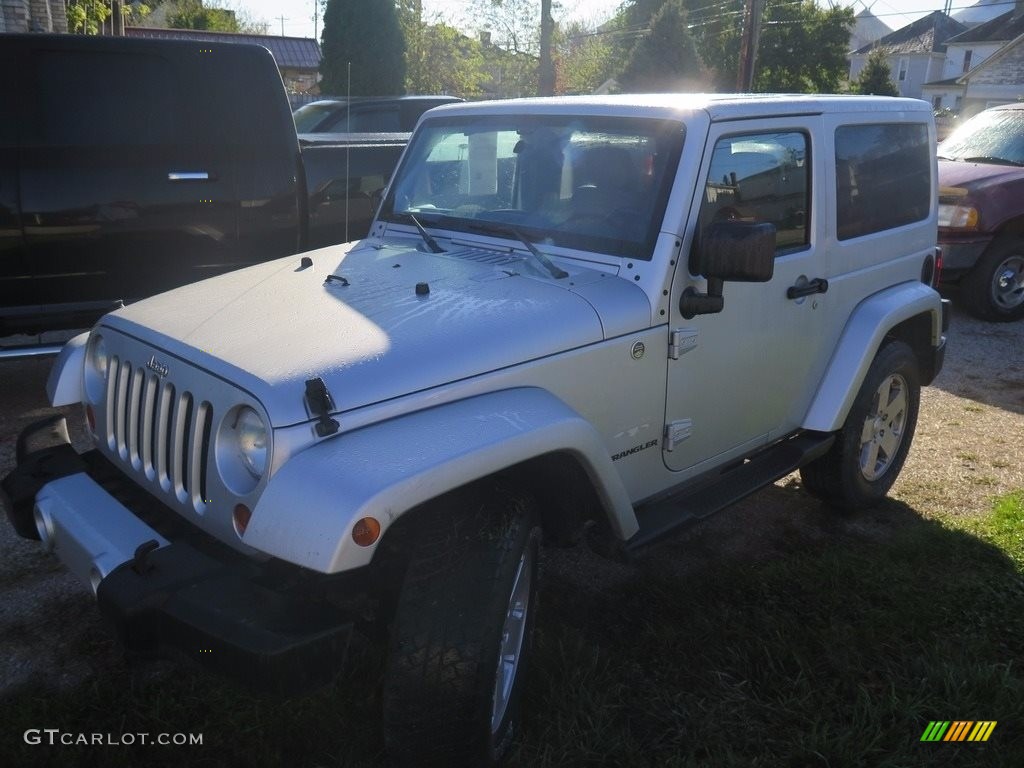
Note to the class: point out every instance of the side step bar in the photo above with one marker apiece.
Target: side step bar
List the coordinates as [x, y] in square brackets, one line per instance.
[698, 500]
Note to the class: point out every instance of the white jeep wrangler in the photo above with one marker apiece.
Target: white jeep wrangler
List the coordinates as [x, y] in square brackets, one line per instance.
[624, 312]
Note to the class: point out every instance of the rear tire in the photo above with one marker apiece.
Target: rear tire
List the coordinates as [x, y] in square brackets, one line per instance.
[461, 636]
[869, 451]
[994, 288]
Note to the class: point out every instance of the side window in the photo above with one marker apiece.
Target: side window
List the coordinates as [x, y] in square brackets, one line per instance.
[102, 99]
[883, 177]
[765, 178]
[370, 120]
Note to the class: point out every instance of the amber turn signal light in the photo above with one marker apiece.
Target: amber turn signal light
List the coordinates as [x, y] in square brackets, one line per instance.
[241, 517]
[365, 532]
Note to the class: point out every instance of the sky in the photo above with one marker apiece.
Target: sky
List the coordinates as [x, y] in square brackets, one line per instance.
[298, 14]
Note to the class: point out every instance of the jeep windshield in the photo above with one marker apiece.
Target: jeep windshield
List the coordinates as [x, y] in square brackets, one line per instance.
[994, 136]
[586, 182]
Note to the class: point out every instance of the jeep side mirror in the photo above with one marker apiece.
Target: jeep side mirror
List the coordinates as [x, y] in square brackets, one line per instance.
[735, 251]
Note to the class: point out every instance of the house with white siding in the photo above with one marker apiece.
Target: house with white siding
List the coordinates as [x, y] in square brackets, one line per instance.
[965, 69]
[916, 52]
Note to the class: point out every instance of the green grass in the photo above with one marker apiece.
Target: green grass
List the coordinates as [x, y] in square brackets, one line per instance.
[836, 654]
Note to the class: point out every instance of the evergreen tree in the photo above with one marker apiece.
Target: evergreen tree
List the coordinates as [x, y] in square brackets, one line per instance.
[365, 33]
[876, 77]
[666, 58]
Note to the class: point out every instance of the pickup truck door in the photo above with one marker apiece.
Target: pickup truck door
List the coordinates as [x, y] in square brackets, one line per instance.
[744, 376]
[122, 195]
[14, 265]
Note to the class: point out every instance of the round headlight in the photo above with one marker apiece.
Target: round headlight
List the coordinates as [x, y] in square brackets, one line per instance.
[242, 449]
[96, 362]
[251, 434]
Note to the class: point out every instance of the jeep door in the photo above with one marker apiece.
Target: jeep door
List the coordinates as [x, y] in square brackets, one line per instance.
[745, 376]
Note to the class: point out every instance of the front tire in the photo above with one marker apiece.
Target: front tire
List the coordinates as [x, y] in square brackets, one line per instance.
[994, 288]
[869, 451]
[461, 636]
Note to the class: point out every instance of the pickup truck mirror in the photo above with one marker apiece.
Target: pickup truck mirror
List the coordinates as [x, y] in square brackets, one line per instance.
[737, 251]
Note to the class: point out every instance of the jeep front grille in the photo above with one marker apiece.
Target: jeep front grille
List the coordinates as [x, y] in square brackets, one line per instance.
[158, 430]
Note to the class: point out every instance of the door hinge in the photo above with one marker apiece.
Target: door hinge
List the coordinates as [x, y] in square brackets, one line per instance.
[681, 341]
[676, 432]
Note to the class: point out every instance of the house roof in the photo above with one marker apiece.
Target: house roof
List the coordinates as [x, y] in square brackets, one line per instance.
[926, 35]
[997, 30]
[982, 11]
[288, 52]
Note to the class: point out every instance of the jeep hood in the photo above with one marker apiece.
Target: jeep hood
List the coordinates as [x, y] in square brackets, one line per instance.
[370, 333]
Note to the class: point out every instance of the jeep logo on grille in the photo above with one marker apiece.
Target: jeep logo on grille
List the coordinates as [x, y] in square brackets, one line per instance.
[157, 367]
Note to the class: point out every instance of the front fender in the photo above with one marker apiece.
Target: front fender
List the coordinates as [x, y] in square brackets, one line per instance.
[870, 321]
[306, 513]
[64, 384]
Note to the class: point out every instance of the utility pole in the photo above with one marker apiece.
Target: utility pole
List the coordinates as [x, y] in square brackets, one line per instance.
[316, 19]
[748, 46]
[116, 18]
[283, 20]
[546, 70]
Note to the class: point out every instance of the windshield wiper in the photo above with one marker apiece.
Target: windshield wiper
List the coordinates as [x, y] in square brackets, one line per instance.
[498, 229]
[991, 159]
[432, 244]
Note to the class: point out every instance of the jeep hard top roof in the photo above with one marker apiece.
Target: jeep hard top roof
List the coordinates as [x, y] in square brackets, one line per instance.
[677, 105]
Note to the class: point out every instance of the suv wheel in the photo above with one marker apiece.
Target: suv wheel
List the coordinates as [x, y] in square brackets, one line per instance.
[994, 288]
[462, 631]
[873, 443]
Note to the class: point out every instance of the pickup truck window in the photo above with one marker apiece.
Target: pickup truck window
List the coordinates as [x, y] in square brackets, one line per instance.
[761, 178]
[876, 165]
[73, 108]
[594, 183]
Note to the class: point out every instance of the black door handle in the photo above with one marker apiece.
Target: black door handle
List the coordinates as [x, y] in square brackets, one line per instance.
[817, 285]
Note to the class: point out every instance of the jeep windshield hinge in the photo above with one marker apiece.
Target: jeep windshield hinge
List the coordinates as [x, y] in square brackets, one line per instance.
[320, 403]
[681, 341]
[676, 432]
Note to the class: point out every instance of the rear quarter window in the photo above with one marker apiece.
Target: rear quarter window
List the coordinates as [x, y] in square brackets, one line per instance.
[102, 98]
[883, 177]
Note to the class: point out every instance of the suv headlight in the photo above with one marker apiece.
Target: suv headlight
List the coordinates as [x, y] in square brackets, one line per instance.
[242, 449]
[958, 216]
[96, 362]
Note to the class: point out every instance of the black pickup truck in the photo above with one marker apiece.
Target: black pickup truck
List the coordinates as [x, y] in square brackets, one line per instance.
[129, 167]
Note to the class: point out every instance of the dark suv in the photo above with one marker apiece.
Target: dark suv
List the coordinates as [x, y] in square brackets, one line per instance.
[981, 212]
[369, 115]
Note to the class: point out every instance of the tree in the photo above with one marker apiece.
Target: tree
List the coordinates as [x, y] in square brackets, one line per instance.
[87, 16]
[511, 29]
[585, 60]
[365, 33]
[791, 31]
[876, 77]
[439, 58]
[802, 47]
[666, 58]
[449, 63]
[193, 14]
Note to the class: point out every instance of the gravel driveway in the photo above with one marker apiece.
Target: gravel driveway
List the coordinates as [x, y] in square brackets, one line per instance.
[967, 449]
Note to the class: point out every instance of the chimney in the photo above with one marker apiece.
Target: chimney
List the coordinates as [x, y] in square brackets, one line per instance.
[485, 36]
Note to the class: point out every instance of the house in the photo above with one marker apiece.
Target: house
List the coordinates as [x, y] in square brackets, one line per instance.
[33, 16]
[916, 52]
[298, 58]
[966, 57]
[997, 80]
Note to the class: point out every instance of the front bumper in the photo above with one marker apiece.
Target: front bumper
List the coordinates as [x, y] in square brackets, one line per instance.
[960, 254]
[170, 592]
